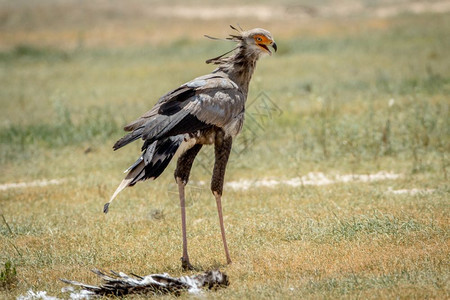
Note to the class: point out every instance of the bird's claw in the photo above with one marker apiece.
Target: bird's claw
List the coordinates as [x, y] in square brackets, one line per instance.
[186, 265]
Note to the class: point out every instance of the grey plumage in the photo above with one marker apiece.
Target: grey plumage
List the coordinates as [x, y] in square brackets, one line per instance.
[206, 110]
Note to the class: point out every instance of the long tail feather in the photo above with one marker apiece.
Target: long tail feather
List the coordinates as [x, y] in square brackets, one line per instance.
[126, 182]
[150, 165]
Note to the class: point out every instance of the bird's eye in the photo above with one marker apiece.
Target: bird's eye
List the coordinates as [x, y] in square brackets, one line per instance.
[259, 39]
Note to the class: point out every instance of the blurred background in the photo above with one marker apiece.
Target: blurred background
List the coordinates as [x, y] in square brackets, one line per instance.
[74, 72]
[356, 87]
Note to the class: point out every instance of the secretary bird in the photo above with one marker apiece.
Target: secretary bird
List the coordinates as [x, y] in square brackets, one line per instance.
[207, 110]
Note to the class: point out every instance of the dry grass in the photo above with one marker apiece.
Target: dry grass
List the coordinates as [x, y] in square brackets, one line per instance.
[299, 244]
[69, 87]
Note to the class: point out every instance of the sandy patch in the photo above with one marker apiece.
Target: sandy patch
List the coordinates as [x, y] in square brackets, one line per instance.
[297, 11]
[315, 179]
[410, 191]
[259, 12]
[39, 183]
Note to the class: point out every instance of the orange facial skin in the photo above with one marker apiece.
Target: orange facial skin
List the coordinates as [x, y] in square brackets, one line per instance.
[262, 41]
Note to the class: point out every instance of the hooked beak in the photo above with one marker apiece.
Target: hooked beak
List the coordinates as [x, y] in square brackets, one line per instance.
[264, 46]
[274, 46]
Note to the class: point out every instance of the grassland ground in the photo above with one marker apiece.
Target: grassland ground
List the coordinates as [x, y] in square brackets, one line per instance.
[353, 95]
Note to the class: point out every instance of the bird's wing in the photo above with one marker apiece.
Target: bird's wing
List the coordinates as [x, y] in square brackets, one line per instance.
[172, 102]
[210, 100]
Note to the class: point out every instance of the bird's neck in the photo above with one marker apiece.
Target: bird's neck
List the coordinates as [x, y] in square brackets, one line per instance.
[239, 67]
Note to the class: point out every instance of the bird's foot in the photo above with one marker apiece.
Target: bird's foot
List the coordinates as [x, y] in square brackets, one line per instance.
[186, 265]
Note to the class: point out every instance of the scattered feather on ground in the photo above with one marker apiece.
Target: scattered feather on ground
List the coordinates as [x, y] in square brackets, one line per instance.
[120, 284]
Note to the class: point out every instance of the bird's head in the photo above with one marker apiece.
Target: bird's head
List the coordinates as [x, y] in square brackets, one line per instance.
[256, 42]
[259, 40]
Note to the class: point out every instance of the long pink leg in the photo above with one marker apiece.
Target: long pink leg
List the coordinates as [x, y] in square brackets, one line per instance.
[184, 165]
[185, 264]
[222, 227]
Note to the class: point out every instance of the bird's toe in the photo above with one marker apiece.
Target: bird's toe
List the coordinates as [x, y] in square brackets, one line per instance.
[186, 265]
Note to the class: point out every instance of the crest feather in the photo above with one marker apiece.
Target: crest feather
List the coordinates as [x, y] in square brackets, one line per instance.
[232, 37]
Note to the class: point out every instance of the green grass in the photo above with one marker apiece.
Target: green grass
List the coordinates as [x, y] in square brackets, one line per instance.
[62, 110]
